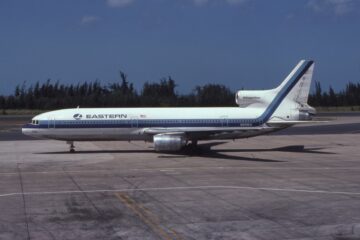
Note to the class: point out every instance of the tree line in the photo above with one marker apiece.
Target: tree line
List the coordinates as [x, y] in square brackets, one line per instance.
[350, 96]
[53, 95]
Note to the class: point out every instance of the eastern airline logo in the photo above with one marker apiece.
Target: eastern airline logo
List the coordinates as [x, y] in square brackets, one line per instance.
[106, 116]
[77, 116]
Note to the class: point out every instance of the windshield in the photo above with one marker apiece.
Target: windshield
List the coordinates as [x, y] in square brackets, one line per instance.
[35, 122]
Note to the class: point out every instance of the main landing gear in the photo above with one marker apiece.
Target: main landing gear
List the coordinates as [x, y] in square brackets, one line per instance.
[194, 143]
[72, 146]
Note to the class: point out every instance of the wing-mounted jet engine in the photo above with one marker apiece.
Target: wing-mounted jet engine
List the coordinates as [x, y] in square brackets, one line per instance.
[169, 142]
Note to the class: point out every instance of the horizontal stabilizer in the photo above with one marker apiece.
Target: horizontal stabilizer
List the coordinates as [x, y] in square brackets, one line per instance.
[290, 123]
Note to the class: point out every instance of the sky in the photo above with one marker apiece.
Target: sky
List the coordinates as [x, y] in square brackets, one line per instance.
[250, 44]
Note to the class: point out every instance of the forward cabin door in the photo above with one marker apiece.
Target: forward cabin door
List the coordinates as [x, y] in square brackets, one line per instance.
[51, 122]
[224, 121]
[134, 122]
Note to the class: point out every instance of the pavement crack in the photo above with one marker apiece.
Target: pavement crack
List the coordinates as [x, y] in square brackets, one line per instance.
[136, 186]
[98, 211]
[24, 201]
[148, 217]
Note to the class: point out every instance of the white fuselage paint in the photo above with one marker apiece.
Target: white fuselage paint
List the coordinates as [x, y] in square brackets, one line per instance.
[71, 124]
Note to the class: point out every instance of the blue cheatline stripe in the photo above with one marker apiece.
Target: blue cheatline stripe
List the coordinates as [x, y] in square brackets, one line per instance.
[142, 123]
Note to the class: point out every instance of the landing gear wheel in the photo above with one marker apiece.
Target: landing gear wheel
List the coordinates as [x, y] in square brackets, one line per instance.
[72, 147]
[192, 145]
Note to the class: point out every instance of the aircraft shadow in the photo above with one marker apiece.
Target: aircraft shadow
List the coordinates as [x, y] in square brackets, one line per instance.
[293, 148]
[204, 150]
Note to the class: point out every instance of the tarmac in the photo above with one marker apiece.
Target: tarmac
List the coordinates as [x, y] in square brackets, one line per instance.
[301, 185]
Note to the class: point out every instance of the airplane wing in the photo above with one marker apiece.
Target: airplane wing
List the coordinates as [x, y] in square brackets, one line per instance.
[196, 132]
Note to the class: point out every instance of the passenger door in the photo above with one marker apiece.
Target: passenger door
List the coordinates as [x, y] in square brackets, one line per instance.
[51, 122]
[134, 122]
[224, 121]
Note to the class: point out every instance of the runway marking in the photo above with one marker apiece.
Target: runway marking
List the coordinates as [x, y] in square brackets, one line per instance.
[146, 216]
[179, 188]
[183, 168]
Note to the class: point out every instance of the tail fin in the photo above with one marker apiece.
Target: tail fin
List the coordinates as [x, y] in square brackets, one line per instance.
[300, 77]
[292, 95]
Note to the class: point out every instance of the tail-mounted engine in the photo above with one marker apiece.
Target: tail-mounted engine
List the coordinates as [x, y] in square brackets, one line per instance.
[256, 98]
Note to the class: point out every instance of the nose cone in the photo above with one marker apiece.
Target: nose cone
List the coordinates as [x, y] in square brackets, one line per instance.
[30, 130]
[26, 130]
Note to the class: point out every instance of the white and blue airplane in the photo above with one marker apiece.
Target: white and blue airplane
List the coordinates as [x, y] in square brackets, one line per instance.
[171, 129]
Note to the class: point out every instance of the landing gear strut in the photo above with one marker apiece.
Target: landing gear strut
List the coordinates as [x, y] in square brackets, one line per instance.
[194, 143]
[72, 146]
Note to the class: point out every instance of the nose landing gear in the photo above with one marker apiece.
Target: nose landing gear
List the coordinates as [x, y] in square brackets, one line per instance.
[72, 146]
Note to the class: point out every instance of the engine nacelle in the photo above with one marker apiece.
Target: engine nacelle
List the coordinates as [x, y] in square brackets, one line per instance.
[247, 98]
[306, 113]
[304, 116]
[168, 142]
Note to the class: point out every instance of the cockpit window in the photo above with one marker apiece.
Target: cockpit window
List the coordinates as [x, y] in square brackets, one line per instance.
[35, 122]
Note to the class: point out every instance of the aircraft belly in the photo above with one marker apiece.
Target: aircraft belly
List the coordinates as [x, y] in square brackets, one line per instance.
[239, 134]
[133, 134]
[92, 134]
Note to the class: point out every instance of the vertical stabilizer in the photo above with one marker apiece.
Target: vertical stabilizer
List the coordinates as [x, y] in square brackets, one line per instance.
[293, 93]
[300, 77]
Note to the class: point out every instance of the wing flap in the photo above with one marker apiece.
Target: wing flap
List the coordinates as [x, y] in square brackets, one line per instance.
[192, 130]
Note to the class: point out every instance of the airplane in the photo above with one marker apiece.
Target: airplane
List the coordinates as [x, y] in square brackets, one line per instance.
[172, 129]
